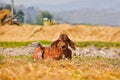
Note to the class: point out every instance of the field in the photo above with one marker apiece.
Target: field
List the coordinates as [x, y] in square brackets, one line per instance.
[23, 68]
[79, 68]
[77, 33]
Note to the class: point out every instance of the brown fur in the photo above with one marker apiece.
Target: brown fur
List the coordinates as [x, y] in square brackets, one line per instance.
[67, 53]
[57, 50]
[67, 39]
[37, 55]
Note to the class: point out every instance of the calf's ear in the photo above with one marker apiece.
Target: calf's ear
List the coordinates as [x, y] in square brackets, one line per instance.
[55, 43]
[71, 44]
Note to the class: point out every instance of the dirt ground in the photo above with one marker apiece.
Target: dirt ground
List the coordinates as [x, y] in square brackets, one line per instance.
[50, 33]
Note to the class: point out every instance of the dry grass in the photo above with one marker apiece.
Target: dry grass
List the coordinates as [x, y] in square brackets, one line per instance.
[75, 32]
[22, 68]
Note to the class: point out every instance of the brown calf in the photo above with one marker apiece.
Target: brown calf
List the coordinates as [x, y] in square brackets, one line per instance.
[57, 50]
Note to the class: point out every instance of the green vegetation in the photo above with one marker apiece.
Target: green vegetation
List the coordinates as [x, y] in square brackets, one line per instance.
[45, 42]
[98, 44]
[1, 57]
[79, 44]
[19, 44]
[42, 15]
[13, 44]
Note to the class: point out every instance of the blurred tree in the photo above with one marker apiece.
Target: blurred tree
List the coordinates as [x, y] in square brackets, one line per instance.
[21, 16]
[1, 8]
[43, 14]
[8, 6]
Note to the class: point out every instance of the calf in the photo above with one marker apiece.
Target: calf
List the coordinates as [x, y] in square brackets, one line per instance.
[57, 50]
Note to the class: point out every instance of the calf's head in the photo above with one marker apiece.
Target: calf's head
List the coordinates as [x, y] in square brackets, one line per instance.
[65, 38]
[62, 44]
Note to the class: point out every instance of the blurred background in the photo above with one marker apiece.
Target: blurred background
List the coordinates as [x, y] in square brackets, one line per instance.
[93, 12]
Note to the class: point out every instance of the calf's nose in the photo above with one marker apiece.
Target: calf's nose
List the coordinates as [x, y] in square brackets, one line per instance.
[63, 47]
